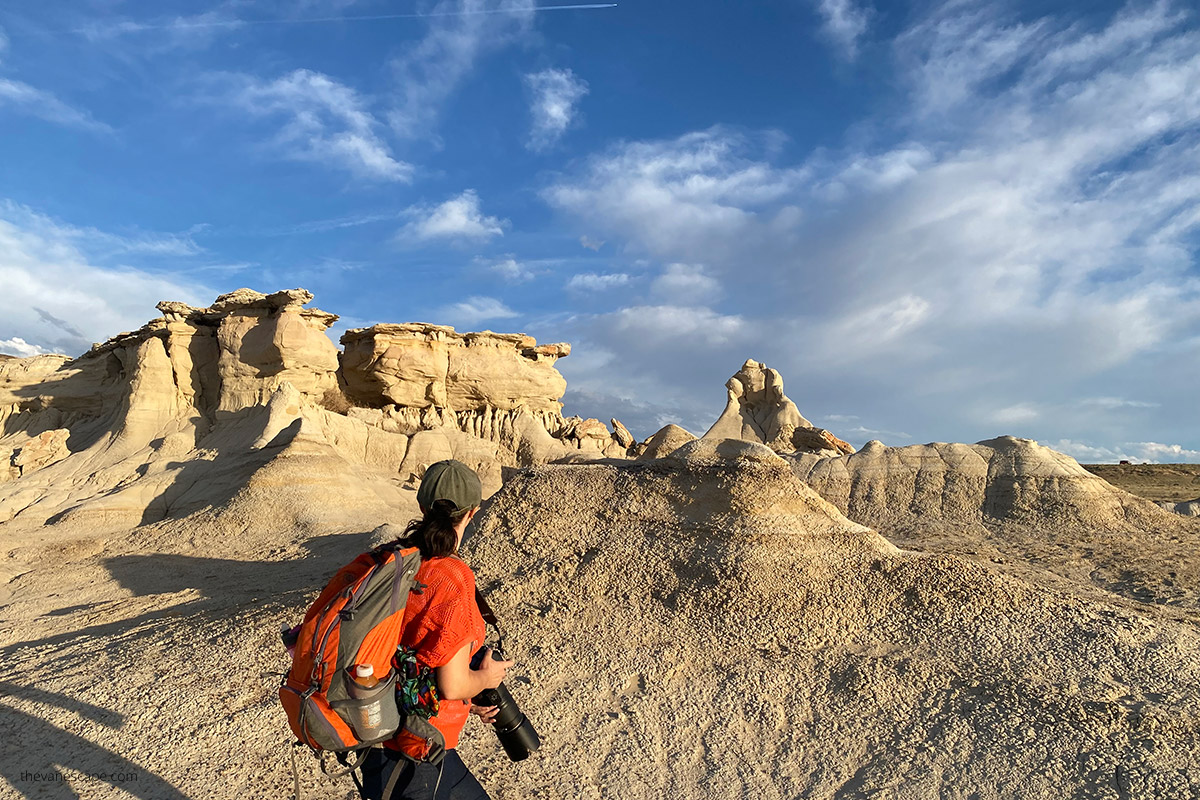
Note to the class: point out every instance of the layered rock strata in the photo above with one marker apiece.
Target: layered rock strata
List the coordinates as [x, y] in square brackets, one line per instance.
[422, 366]
[1006, 478]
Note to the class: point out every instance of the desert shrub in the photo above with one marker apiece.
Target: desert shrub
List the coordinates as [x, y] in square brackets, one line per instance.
[335, 400]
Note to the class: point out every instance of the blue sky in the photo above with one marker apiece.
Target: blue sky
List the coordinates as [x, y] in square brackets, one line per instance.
[941, 221]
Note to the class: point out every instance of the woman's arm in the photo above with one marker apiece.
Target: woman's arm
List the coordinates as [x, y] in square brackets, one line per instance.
[457, 681]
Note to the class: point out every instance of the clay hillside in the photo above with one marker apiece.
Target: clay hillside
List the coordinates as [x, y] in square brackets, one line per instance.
[758, 612]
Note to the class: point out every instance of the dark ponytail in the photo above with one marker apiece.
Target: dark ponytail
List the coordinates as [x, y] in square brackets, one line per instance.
[434, 533]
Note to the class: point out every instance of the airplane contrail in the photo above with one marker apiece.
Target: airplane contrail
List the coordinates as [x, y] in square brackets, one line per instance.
[230, 23]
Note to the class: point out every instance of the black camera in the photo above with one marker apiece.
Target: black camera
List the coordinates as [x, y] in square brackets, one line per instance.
[515, 731]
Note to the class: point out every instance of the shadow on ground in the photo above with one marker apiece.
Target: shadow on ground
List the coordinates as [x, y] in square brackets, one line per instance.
[62, 763]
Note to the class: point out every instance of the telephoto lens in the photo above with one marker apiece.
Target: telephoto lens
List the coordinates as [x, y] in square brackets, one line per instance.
[515, 731]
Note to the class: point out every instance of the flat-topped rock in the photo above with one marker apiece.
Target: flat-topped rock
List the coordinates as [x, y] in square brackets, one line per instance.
[417, 365]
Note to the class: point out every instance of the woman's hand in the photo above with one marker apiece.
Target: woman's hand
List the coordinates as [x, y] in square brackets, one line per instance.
[491, 671]
[457, 681]
[486, 714]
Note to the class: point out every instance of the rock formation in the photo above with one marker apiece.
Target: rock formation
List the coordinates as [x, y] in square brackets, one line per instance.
[1002, 479]
[757, 410]
[421, 366]
[1187, 508]
[151, 403]
[665, 442]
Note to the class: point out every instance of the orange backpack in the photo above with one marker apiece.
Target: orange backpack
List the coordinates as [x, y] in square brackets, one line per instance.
[356, 620]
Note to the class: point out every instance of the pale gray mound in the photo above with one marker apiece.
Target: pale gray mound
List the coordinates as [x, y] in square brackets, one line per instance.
[1014, 503]
[669, 439]
[1188, 508]
[707, 626]
[1005, 478]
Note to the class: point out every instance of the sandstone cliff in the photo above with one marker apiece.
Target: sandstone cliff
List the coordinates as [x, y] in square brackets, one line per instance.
[421, 366]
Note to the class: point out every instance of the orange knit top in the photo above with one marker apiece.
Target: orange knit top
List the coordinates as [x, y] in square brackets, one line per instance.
[437, 623]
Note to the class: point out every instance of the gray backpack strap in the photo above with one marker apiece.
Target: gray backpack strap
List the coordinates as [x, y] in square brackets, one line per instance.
[397, 768]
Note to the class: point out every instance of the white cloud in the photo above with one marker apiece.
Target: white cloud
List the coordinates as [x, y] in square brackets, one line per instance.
[457, 218]
[460, 33]
[59, 297]
[678, 199]
[555, 95]
[1016, 414]
[1135, 452]
[131, 38]
[513, 271]
[100, 244]
[474, 310]
[1116, 403]
[325, 123]
[20, 348]
[686, 284]
[591, 244]
[861, 432]
[593, 282]
[1166, 453]
[1087, 454]
[844, 22]
[678, 322]
[1024, 234]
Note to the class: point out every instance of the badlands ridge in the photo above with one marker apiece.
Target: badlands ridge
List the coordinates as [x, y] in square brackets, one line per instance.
[760, 612]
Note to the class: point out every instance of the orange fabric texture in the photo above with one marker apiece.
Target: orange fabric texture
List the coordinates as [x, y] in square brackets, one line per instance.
[437, 623]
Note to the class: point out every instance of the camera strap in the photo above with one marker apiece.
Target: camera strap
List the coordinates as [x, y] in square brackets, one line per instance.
[489, 616]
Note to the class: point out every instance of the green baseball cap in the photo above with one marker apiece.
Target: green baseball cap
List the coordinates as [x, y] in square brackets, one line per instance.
[450, 480]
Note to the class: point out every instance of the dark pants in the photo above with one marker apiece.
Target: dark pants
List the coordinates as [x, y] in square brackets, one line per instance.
[418, 780]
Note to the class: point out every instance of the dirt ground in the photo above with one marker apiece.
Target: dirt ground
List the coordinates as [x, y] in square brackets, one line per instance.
[1177, 483]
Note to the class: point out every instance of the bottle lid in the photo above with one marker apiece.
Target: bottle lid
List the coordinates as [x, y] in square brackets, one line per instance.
[364, 671]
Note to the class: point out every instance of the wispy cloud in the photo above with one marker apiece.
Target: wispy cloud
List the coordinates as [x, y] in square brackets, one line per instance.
[686, 284]
[512, 271]
[593, 282]
[98, 244]
[324, 122]
[334, 224]
[476, 309]
[555, 94]
[1116, 403]
[160, 36]
[678, 322]
[460, 33]
[844, 22]
[25, 99]
[22, 98]
[457, 218]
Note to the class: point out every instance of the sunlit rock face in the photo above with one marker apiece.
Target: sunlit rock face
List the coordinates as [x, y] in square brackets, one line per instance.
[415, 365]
